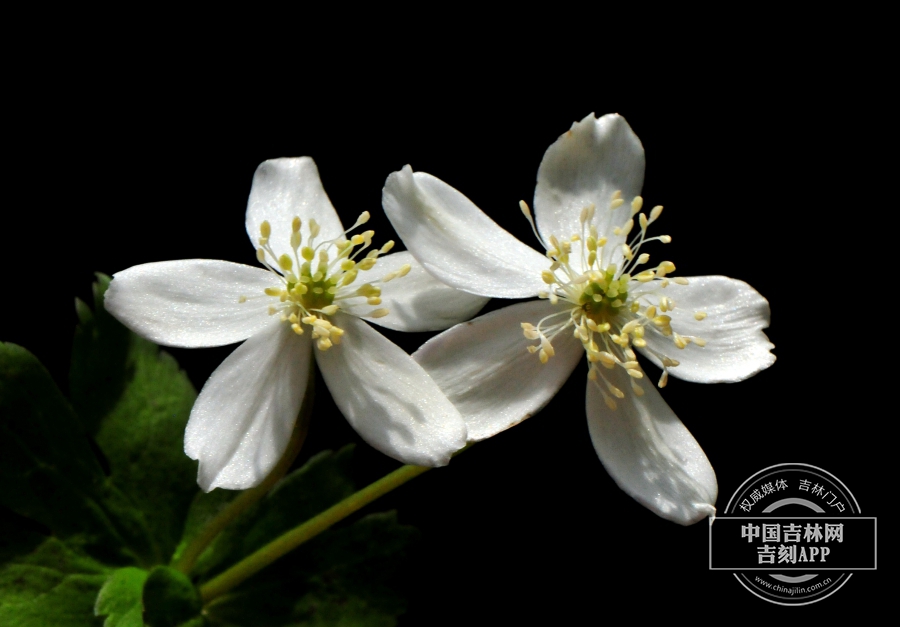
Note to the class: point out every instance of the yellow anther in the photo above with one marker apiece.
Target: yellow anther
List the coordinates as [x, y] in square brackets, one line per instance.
[700, 315]
[644, 257]
[387, 247]
[654, 213]
[261, 255]
[642, 220]
[601, 242]
[615, 204]
[680, 280]
[272, 311]
[265, 229]
[308, 253]
[548, 277]
[609, 402]
[616, 195]
[242, 299]
[374, 300]
[663, 379]
[664, 304]
[324, 343]
[349, 278]
[532, 349]
[543, 356]
[615, 391]
[547, 346]
[524, 207]
[313, 228]
[668, 362]
[296, 239]
[367, 264]
[645, 276]
[379, 313]
[356, 240]
[680, 341]
[285, 262]
[665, 239]
[296, 328]
[699, 341]
[323, 256]
[404, 270]
[606, 358]
[629, 326]
[363, 218]
[640, 342]
[273, 291]
[293, 318]
[636, 204]
[633, 372]
[662, 321]
[330, 310]
[347, 264]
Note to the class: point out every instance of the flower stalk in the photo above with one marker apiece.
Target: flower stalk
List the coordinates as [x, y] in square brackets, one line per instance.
[292, 539]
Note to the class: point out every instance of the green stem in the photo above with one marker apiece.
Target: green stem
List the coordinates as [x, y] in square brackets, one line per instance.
[255, 562]
[245, 499]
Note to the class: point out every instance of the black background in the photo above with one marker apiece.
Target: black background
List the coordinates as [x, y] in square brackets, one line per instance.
[122, 156]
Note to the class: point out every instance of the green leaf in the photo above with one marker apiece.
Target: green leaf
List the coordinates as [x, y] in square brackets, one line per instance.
[170, 599]
[347, 576]
[120, 598]
[55, 585]
[320, 483]
[48, 469]
[136, 401]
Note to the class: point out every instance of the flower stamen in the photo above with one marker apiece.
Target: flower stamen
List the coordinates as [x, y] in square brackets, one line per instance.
[609, 307]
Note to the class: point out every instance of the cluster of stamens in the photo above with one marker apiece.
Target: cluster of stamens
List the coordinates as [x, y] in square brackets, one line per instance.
[610, 310]
[316, 279]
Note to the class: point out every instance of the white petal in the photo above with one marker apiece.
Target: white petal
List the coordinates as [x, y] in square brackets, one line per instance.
[417, 301]
[283, 189]
[649, 452]
[585, 166]
[485, 369]
[457, 242]
[736, 314]
[192, 302]
[388, 398]
[242, 421]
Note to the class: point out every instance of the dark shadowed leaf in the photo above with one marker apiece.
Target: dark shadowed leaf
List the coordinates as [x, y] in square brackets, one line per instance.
[136, 401]
[55, 585]
[347, 576]
[49, 471]
[169, 598]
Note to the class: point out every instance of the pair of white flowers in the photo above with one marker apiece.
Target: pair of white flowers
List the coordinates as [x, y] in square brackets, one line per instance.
[598, 298]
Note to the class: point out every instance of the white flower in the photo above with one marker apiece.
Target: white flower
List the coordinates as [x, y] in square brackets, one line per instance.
[314, 290]
[599, 299]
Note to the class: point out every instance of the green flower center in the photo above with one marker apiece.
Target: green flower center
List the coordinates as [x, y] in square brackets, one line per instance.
[603, 298]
